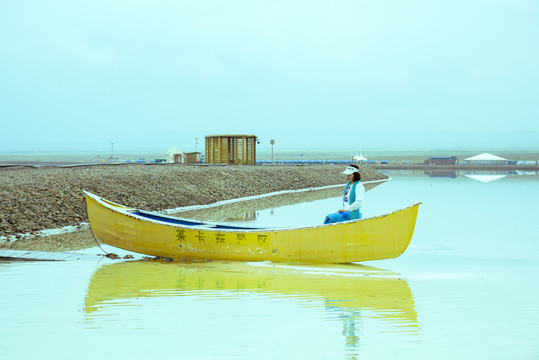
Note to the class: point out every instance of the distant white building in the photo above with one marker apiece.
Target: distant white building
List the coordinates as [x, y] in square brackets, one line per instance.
[485, 159]
[360, 159]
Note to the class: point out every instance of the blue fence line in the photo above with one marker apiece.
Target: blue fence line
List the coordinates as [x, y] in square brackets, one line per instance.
[279, 162]
[309, 162]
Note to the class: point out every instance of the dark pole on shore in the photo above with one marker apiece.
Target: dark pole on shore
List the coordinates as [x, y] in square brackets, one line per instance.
[272, 142]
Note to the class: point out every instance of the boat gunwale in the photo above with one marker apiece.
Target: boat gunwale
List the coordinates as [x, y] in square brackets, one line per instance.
[211, 226]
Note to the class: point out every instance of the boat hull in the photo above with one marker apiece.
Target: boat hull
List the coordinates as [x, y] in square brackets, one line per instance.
[380, 237]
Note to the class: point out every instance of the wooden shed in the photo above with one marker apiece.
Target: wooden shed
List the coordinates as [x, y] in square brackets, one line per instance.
[192, 157]
[230, 149]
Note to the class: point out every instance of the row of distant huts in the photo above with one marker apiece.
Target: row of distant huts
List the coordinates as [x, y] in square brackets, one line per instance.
[241, 149]
[481, 159]
[219, 149]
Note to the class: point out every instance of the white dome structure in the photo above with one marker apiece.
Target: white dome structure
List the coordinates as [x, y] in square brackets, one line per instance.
[485, 159]
[174, 155]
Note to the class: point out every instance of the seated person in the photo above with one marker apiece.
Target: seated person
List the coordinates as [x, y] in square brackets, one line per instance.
[353, 196]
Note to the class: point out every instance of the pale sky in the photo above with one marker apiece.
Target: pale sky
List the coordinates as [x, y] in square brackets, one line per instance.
[358, 74]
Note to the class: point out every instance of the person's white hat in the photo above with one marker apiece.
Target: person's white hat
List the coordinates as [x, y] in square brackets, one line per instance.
[350, 170]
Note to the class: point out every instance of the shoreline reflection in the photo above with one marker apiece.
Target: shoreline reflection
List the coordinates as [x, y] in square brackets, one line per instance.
[249, 210]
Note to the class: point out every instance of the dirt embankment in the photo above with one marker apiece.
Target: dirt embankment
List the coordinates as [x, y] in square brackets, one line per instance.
[34, 199]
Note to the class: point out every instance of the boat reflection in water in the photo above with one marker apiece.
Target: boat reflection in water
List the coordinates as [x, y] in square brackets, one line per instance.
[351, 293]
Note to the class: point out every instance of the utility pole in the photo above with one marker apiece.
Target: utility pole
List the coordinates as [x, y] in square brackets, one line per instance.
[272, 142]
[196, 143]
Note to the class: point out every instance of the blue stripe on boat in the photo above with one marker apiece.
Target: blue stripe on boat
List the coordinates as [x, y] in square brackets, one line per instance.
[178, 221]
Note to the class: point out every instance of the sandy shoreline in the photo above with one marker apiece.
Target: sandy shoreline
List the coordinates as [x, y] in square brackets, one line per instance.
[35, 199]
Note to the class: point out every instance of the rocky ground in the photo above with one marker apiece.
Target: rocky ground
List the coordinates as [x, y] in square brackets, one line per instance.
[34, 199]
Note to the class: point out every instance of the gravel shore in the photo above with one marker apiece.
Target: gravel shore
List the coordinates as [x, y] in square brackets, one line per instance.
[34, 199]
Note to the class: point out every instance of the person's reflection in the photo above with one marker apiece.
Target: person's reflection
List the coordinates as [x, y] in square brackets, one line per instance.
[349, 318]
[349, 329]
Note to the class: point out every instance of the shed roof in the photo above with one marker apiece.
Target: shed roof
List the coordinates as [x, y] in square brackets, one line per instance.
[230, 135]
[443, 158]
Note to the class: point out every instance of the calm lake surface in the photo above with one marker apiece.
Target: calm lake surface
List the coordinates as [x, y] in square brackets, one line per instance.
[466, 288]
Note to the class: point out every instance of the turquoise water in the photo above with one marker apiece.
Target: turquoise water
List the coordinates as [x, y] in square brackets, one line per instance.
[465, 288]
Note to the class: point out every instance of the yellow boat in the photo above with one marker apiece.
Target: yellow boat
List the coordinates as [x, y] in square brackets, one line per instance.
[347, 288]
[381, 237]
